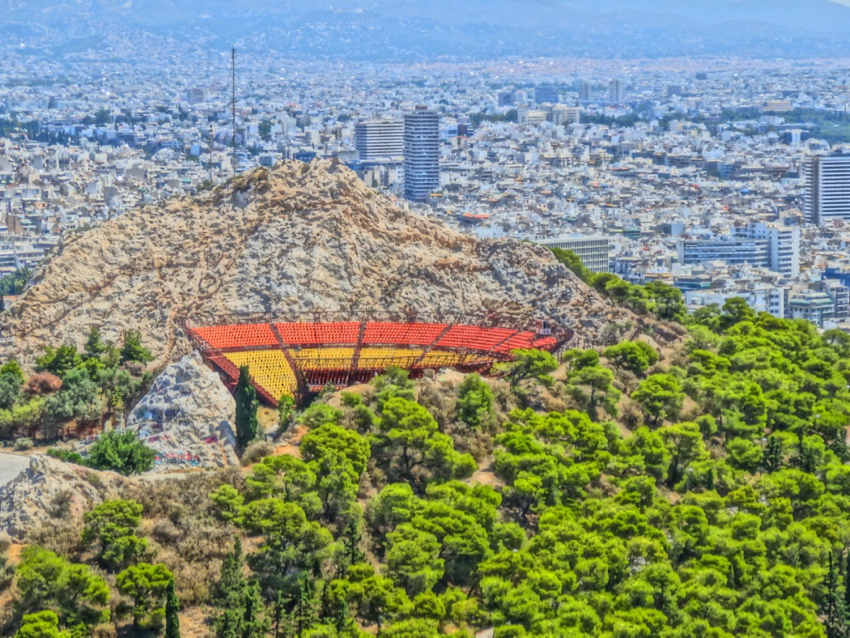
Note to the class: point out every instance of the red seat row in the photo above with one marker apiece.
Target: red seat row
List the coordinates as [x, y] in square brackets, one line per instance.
[237, 336]
[544, 344]
[520, 341]
[403, 334]
[316, 334]
[377, 333]
[474, 337]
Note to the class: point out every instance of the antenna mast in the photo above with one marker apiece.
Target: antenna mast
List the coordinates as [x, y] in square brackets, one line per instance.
[233, 103]
[210, 161]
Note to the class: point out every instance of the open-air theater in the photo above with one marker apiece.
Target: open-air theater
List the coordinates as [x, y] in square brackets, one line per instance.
[299, 356]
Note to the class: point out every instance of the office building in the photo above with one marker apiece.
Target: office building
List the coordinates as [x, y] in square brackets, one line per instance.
[731, 250]
[615, 91]
[506, 98]
[585, 92]
[531, 116]
[546, 94]
[827, 195]
[566, 115]
[777, 106]
[196, 96]
[379, 139]
[783, 245]
[593, 251]
[770, 246]
[421, 153]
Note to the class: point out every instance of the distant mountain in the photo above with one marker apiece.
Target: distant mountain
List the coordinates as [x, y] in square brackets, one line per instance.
[398, 29]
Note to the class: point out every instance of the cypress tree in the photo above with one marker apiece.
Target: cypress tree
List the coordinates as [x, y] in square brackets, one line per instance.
[285, 407]
[172, 606]
[304, 612]
[846, 578]
[246, 409]
[254, 624]
[351, 541]
[833, 604]
[281, 617]
[230, 594]
[232, 582]
[773, 455]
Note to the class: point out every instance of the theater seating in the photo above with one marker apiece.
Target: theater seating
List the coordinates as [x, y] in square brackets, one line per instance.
[326, 352]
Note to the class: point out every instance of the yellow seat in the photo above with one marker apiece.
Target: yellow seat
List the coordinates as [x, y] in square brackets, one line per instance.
[269, 369]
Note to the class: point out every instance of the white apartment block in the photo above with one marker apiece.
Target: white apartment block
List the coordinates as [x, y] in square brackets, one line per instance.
[827, 189]
[593, 251]
[379, 139]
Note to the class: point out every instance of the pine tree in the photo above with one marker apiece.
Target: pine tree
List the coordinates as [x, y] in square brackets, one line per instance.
[229, 623]
[246, 409]
[805, 459]
[773, 454]
[94, 344]
[172, 606]
[133, 350]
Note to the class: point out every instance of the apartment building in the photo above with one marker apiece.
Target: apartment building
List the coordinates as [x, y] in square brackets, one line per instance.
[593, 251]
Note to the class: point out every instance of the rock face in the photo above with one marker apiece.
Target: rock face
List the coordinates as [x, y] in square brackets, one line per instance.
[51, 489]
[297, 238]
[187, 417]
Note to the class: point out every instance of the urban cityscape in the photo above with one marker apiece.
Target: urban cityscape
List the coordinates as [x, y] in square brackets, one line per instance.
[725, 182]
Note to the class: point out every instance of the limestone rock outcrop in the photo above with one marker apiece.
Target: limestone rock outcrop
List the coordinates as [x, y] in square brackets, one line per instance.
[187, 417]
[50, 489]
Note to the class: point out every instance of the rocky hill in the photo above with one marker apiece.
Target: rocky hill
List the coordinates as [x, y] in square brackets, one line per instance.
[299, 237]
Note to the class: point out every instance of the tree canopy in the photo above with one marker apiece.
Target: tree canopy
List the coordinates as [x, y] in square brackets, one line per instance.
[629, 490]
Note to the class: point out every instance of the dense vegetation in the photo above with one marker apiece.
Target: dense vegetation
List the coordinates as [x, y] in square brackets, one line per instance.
[73, 391]
[615, 493]
[631, 491]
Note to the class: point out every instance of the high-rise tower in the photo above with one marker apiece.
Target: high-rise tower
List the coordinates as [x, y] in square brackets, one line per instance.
[827, 189]
[421, 153]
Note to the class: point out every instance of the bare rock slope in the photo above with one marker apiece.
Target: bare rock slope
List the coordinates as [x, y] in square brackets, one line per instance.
[49, 490]
[299, 237]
